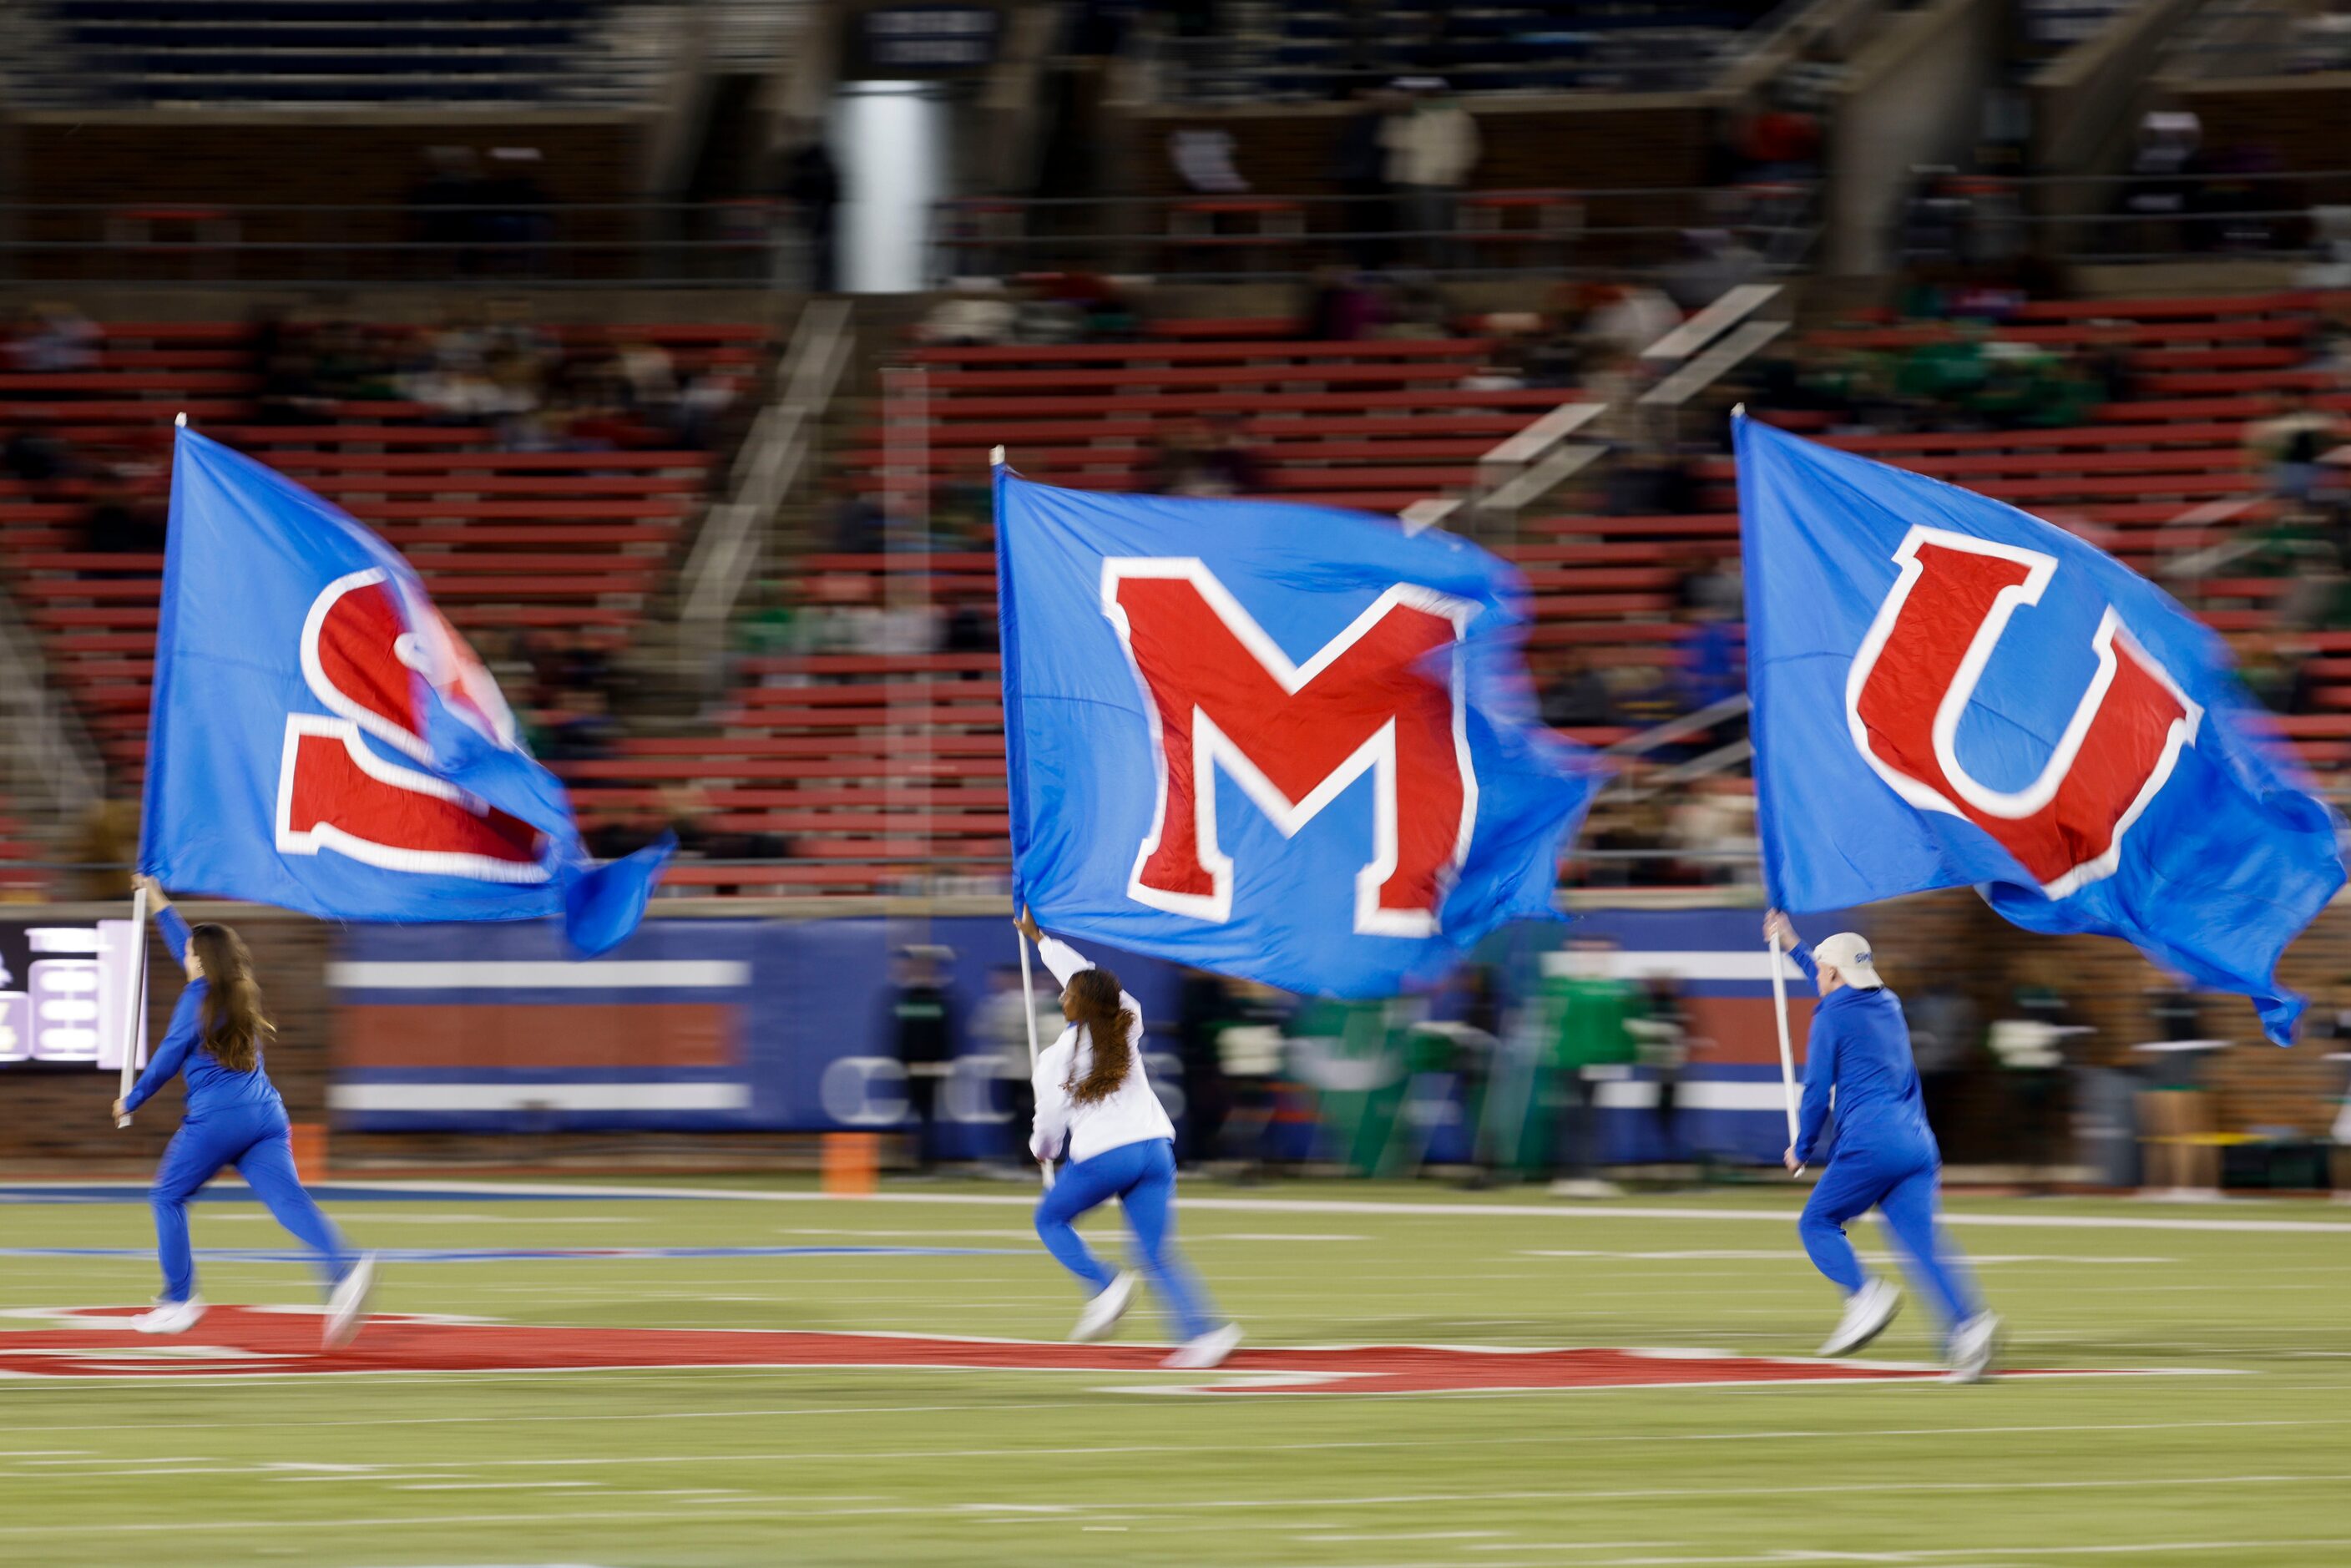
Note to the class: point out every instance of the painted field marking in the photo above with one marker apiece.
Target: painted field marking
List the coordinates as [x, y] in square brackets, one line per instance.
[280, 1470]
[238, 1341]
[526, 1254]
[538, 1191]
[1145, 1511]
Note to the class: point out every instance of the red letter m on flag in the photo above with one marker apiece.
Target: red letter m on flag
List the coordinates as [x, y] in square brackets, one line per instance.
[1223, 696]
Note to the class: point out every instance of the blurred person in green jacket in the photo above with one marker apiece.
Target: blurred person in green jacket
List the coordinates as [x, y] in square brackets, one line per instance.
[1588, 1007]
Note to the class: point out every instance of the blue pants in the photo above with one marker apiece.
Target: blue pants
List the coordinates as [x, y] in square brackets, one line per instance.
[1902, 1186]
[257, 1140]
[1142, 1176]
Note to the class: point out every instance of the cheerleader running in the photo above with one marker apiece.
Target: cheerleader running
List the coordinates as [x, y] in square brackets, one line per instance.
[1091, 1091]
[233, 1118]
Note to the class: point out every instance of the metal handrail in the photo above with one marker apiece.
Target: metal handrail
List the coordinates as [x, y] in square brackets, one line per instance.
[734, 538]
[48, 750]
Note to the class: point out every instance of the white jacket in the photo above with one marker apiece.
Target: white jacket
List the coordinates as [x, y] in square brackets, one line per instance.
[1433, 146]
[1130, 1114]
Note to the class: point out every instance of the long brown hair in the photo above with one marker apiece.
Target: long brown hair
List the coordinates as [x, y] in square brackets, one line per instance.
[234, 1025]
[1095, 1001]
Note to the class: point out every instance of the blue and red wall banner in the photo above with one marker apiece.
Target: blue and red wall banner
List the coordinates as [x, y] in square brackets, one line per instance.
[752, 1025]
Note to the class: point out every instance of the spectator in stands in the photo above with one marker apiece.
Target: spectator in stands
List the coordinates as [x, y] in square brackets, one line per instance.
[812, 184]
[1714, 661]
[582, 729]
[2290, 449]
[1578, 695]
[1359, 167]
[55, 337]
[1625, 319]
[1176, 465]
[970, 630]
[977, 315]
[1230, 463]
[118, 523]
[1202, 157]
[445, 201]
[1780, 145]
[36, 458]
[515, 218]
[1342, 308]
[1432, 147]
[1712, 826]
[1713, 262]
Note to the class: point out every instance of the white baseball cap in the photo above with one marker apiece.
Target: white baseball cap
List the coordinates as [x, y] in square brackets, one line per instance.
[1848, 954]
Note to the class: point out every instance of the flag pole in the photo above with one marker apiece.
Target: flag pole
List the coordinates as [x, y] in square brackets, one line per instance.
[136, 993]
[1029, 1012]
[1787, 1052]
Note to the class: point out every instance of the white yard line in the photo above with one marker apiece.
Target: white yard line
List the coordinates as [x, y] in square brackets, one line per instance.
[1900, 1555]
[394, 1472]
[1194, 1202]
[1236, 1505]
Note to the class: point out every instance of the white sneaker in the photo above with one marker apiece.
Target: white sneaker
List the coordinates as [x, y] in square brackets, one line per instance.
[1103, 1313]
[1867, 1313]
[1209, 1350]
[170, 1317]
[347, 1306]
[1973, 1344]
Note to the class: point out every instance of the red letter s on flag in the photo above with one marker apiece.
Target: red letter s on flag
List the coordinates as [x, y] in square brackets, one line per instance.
[1916, 671]
[335, 792]
[1221, 695]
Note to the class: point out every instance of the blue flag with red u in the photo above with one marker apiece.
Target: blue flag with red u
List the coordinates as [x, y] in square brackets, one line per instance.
[322, 739]
[1950, 692]
[1289, 743]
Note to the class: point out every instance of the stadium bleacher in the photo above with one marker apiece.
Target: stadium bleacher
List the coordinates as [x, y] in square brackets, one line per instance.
[1306, 51]
[876, 769]
[881, 767]
[331, 51]
[574, 540]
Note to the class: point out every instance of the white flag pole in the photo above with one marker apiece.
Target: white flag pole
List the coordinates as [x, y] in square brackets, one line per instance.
[1028, 1010]
[136, 995]
[1787, 1052]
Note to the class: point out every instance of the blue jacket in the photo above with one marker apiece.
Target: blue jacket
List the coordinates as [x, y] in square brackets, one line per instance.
[1860, 1048]
[212, 1088]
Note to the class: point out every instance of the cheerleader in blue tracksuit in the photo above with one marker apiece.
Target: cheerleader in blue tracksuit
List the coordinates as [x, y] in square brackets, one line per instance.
[234, 1118]
[1882, 1154]
[1091, 1092]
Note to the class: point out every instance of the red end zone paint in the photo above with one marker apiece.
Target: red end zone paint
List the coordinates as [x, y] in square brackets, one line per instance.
[96, 1342]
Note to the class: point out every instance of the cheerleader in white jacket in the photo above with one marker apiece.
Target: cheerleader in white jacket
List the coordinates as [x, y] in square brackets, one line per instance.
[1091, 1091]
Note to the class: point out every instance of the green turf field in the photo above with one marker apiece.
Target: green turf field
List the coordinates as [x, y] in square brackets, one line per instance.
[2246, 1464]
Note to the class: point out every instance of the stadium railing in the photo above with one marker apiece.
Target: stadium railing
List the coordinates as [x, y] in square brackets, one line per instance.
[1254, 235]
[748, 242]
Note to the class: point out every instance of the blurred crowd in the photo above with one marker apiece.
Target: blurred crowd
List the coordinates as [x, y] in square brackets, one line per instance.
[539, 391]
[1569, 1064]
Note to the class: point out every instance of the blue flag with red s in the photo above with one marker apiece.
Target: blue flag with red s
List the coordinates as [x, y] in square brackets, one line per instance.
[322, 739]
[1289, 743]
[1950, 692]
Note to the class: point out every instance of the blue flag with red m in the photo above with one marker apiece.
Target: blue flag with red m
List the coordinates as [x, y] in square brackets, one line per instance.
[322, 739]
[1948, 692]
[1289, 743]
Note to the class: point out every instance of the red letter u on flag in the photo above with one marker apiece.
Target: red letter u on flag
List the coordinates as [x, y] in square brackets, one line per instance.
[1222, 696]
[1917, 670]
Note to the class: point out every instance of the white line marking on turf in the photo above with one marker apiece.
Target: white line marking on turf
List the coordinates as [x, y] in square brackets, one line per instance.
[897, 1508]
[1796, 1254]
[1919, 1554]
[1369, 1206]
